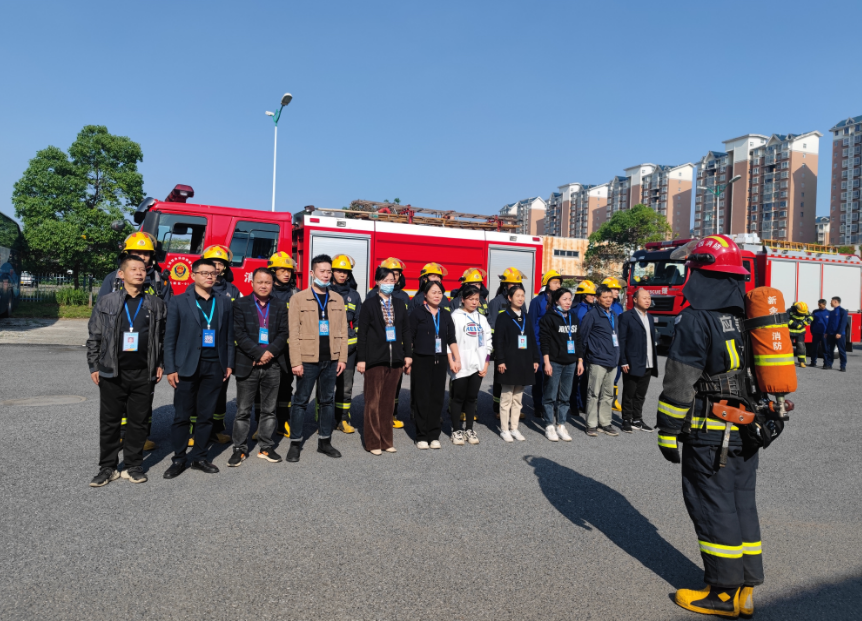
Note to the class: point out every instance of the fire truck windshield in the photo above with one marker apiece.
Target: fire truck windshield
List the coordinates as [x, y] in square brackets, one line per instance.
[657, 273]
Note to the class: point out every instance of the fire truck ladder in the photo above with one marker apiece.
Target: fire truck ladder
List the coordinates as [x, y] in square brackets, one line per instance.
[778, 244]
[407, 214]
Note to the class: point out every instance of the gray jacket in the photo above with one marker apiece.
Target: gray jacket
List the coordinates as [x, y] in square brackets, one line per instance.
[104, 327]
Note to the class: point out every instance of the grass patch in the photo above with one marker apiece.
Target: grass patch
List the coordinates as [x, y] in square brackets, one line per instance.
[50, 310]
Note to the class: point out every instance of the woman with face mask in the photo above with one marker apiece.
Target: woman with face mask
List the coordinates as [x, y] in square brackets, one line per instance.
[432, 334]
[562, 355]
[383, 351]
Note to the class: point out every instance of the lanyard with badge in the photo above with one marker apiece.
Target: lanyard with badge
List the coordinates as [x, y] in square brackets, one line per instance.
[438, 342]
[208, 338]
[567, 320]
[522, 338]
[130, 338]
[263, 333]
[323, 324]
[390, 330]
[610, 315]
[481, 330]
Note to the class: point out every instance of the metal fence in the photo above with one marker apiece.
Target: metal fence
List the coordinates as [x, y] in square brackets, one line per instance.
[59, 288]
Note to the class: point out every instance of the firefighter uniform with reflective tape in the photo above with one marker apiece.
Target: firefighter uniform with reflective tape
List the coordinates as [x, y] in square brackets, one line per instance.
[344, 382]
[224, 286]
[799, 319]
[283, 292]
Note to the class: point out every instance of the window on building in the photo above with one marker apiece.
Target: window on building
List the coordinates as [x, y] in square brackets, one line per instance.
[572, 254]
[253, 240]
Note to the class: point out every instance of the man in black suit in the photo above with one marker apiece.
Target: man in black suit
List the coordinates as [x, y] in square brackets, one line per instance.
[199, 356]
[260, 329]
[638, 359]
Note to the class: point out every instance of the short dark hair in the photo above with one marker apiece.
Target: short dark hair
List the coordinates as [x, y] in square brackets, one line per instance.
[200, 262]
[261, 270]
[835, 297]
[431, 283]
[603, 289]
[511, 290]
[382, 272]
[468, 291]
[556, 295]
[821, 301]
[321, 258]
[129, 258]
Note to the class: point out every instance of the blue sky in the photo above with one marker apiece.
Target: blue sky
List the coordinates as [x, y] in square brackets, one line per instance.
[456, 105]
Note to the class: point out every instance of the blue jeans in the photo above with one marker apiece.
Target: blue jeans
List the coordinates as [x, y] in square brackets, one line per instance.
[557, 392]
[323, 373]
[818, 346]
[831, 342]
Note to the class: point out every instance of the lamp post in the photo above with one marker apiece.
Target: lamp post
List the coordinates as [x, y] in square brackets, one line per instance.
[275, 116]
[717, 192]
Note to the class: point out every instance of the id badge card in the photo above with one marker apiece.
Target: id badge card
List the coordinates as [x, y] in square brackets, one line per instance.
[390, 334]
[438, 346]
[570, 347]
[324, 327]
[130, 341]
[522, 341]
[482, 338]
[263, 336]
[208, 338]
[616, 342]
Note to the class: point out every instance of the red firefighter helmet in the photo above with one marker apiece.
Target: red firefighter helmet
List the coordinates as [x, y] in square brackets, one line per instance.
[716, 253]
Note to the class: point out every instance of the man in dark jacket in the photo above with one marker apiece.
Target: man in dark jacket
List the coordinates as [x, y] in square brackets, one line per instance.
[638, 359]
[199, 357]
[601, 345]
[124, 353]
[819, 324]
[835, 331]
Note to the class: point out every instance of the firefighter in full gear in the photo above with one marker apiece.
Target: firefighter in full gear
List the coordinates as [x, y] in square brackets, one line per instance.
[585, 295]
[510, 277]
[435, 272]
[710, 359]
[614, 285]
[397, 266]
[475, 277]
[141, 245]
[283, 271]
[799, 318]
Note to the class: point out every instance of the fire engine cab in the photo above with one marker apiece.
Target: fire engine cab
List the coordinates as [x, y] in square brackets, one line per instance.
[416, 236]
[802, 272]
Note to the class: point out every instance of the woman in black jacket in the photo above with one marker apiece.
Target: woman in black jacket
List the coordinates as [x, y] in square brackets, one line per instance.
[382, 351]
[516, 358]
[431, 332]
[562, 355]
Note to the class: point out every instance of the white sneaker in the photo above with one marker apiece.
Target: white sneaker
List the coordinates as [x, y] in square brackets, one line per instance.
[564, 435]
[472, 438]
[506, 436]
[517, 435]
[422, 445]
[435, 444]
[458, 437]
[551, 433]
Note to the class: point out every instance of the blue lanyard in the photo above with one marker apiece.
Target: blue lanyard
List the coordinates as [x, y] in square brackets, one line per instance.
[132, 319]
[568, 323]
[322, 306]
[264, 317]
[212, 310]
[610, 316]
[436, 321]
[515, 321]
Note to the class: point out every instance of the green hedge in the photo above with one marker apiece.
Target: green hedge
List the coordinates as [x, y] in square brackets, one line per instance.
[69, 296]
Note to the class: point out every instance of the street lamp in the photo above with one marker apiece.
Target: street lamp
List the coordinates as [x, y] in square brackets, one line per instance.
[275, 116]
[717, 192]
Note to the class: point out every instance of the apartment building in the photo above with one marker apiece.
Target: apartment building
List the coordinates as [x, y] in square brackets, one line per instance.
[530, 214]
[664, 189]
[557, 215]
[844, 202]
[577, 195]
[822, 224]
[618, 196]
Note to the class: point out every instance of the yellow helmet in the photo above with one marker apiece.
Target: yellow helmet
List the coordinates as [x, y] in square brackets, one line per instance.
[802, 307]
[474, 274]
[612, 283]
[140, 241]
[513, 275]
[281, 259]
[586, 287]
[343, 262]
[219, 253]
[433, 268]
[392, 264]
[549, 275]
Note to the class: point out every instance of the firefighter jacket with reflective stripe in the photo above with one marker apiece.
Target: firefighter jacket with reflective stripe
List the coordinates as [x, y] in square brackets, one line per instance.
[353, 304]
[707, 345]
[798, 322]
[496, 306]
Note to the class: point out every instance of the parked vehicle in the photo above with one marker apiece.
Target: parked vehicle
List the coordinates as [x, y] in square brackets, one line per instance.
[27, 279]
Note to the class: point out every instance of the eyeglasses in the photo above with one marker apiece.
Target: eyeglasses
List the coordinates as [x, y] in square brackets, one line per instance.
[207, 274]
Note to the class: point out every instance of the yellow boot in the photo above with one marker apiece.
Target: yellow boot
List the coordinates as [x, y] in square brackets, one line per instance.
[286, 432]
[801, 364]
[710, 601]
[149, 445]
[617, 407]
[746, 602]
[397, 424]
[191, 441]
[221, 438]
[254, 435]
[346, 427]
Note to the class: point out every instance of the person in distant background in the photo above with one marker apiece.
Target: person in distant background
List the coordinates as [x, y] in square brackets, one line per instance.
[819, 323]
[835, 331]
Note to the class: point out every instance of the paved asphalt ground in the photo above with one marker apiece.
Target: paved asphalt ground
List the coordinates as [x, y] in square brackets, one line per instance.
[592, 529]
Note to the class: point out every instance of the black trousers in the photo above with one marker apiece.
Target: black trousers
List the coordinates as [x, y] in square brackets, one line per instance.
[798, 341]
[344, 390]
[220, 410]
[496, 391]
[282, 404]
[721, 503]
[127, 397]
[463, 397]
[427, 394]
[195, 397]
[634, 393]
[398, 393]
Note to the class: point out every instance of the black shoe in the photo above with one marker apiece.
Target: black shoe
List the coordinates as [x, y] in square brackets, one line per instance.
[844, 369]
[608, 429]
[105, 476]
[175, 470]
[627, 426]
[269, 455]
[639, 424]
[204, 466]
[135, 474]
[237, 458]
[826, 368]
[325, 447]
[591, 431]
[293, 452]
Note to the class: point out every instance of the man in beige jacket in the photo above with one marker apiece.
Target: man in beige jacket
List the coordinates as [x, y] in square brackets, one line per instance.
[318, 354]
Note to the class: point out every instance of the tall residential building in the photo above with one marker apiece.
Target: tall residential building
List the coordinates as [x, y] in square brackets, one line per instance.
[556, 216]
[666, 190]
[618, 196]
[530, 214]
[579, 199]
[822, 224]
[844, 203]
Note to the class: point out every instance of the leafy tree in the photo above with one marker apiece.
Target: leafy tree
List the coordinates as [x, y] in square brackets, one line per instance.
[67, 202]
[615, 240]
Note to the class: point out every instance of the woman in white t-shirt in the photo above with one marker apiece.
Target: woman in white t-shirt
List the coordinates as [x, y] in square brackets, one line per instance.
[473, 335]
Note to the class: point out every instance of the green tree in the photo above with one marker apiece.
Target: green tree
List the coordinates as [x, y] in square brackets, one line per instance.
[67, 202]
[615, 240]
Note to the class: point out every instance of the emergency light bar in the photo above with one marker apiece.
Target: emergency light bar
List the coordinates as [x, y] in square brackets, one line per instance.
[180, 194]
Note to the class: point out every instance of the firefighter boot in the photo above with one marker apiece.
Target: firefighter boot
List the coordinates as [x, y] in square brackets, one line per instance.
[149, 445]
[346, 427]
[710, 601]
[617, 407]
[396, 424]
[746, 602]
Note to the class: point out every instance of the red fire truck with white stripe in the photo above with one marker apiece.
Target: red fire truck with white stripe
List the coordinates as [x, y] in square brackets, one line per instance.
[416, 236]
[802, 272]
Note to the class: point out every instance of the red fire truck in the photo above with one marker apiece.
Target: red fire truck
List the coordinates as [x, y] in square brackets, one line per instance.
[182, 231]
[802, 272]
